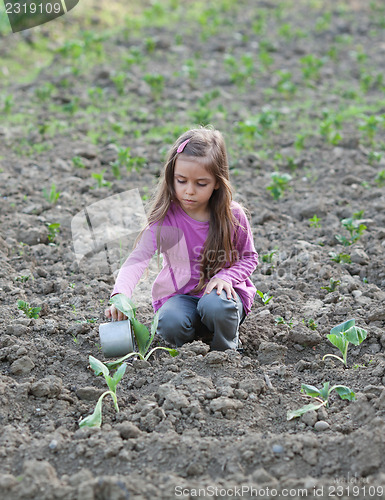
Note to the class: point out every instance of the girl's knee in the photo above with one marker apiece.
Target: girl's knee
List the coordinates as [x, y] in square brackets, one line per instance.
[215, 304]
[174, 328]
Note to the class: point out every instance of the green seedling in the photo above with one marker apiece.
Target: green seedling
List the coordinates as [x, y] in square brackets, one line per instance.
[100, 182]
[8, 103]
[279, 184]
[353, 226]
[125, 160]
[340, 258]
[279, 320]
[299, 142]
[52, 196]
[240, 70]
[310, 66]
[374, 157]
[380, 178]
[321, 396]
[23, 278]
[328, 129]
[78, 162]
[120, 80]
[156, 83]
[143, 337]
[370, 125]
[53, 231]
[269, 257]
[332, 287]
[285, 85]
[314, 221]
[344, 334]
[95, 419]
[265, 297]
[310, 323]
[31, 312]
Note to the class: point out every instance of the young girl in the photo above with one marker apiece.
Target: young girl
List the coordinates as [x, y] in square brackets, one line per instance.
[206, 244]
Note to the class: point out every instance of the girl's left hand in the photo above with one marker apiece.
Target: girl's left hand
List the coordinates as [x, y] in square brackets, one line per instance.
[220, 285]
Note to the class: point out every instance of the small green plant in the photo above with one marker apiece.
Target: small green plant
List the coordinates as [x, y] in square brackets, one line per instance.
[8, 103]
[78, 162]
[269, 257]
[340, 258]
[156, 83]
[125, 160]
[143, 337]
[314, 221]
[310, 66]
[310, 323]
[31, 312]
[370, 125]
[265, 297]
[380, 178]
[100, 182]
[240, 70]
[299, 142]
[120, 80]
[374, 157]
[285, 84]
[279, 184]
[329, 129]
[332, 287]
[354, 227]
[321, 396]
[23, 278]
[53, 231]
[99, 368]
[344, 334]
[52, 196]
[279, 320]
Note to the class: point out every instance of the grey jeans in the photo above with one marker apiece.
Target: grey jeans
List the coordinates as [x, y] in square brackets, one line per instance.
[183, 318]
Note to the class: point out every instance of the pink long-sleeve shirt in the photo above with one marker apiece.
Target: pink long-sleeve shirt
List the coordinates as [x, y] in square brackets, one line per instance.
[181, 243]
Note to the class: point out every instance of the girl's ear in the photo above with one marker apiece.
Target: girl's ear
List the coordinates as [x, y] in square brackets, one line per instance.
[216, 186]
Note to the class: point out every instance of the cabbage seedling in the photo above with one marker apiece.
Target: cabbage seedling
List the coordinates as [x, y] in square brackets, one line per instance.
[343, 334]
[143, 337]
[265, 297]
[95, 419]
[31, 312]
[321, 396]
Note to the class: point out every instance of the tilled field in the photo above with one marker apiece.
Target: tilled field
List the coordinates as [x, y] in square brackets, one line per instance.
[296, 89]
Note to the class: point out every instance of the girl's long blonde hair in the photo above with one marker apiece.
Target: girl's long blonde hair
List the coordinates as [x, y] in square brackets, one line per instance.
[208, 146]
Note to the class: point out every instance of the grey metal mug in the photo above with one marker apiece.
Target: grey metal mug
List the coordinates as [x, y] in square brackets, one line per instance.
[116, 338]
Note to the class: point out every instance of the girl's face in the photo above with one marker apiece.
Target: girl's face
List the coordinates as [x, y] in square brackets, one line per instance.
[193, 186]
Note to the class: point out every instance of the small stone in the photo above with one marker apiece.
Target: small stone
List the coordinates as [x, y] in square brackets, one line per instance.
[89, 393]
[17, 329]
[216, 357]
[321, 425]
[358, 256]
[304, 336]
[128, 430]
[269, 352]
[261, 476]
[224, 404]
[22, 366]
[309, 418]
[277, 449]
[377, 314]
[53, 445]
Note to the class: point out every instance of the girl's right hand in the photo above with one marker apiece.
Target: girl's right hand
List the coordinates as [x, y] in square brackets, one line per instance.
[114, 314]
